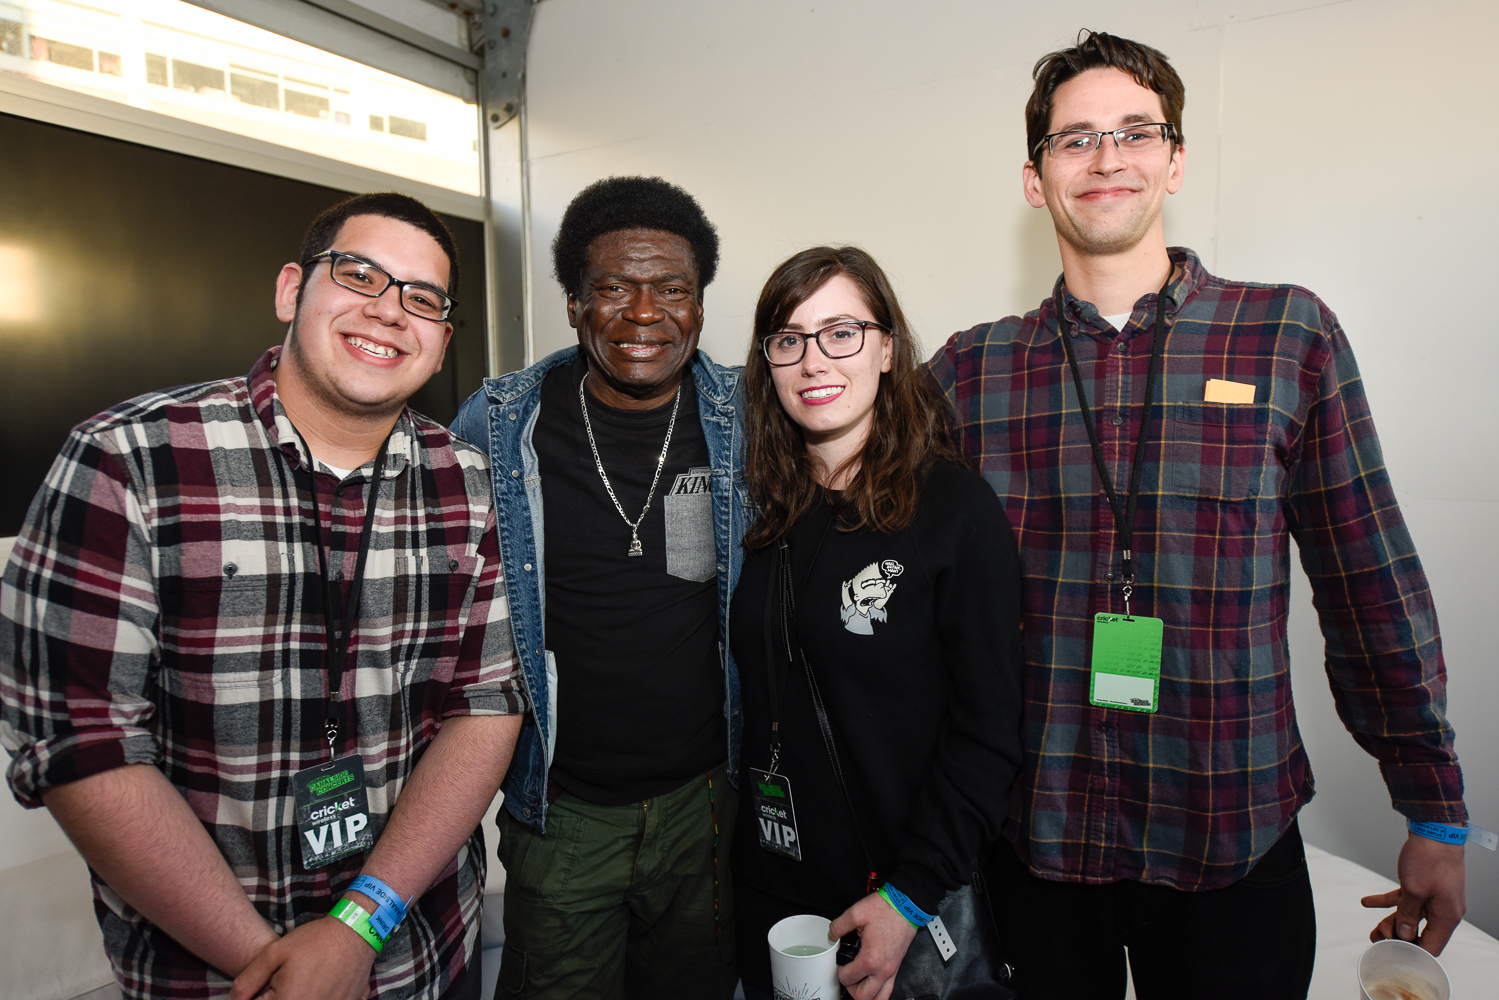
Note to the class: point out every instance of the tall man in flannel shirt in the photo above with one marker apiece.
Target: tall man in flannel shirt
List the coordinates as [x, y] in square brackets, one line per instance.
[1162, 817]
[165, 664]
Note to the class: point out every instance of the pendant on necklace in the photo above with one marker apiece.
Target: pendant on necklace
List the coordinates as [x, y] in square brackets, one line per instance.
[635, 549]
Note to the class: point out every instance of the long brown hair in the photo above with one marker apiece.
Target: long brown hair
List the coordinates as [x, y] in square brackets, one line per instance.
[911, 430]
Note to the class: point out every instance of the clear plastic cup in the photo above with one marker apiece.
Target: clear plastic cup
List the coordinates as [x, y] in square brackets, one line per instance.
[1398, 970]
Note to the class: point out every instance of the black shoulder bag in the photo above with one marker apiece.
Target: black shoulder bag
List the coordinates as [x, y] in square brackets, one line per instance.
[964, 930]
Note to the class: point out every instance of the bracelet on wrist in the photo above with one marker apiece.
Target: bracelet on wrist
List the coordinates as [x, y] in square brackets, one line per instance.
[903, 905]
[391, 909]
[1443, 833]
[351, 914]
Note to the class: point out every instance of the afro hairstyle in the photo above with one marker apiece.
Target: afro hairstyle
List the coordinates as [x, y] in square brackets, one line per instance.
[616, 203]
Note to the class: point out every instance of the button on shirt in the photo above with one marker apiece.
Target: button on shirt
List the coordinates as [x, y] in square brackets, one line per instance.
[163, 606]
[1192, 795]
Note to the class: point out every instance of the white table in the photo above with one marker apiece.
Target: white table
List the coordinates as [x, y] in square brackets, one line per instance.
[1471, 957]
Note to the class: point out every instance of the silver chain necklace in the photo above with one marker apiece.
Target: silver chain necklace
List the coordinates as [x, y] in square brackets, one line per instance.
[635, 549]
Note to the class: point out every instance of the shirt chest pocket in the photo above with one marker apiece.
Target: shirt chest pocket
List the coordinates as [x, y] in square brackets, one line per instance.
[224, 640]
[1217, 451]
[218, 591]
[434, 595]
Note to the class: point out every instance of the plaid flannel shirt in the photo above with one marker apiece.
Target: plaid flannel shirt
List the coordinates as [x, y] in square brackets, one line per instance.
[164, 606]
[1194, 794]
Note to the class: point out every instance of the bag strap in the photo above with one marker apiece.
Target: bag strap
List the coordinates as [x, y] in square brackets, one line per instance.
[787, 602]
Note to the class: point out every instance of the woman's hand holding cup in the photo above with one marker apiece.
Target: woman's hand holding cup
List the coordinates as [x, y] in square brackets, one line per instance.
[884, 936]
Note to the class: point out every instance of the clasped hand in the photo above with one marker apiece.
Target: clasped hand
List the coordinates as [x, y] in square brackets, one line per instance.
[320, 960]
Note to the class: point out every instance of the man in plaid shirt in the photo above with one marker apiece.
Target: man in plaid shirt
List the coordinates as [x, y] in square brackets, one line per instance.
[1156, 808]
[176, 678]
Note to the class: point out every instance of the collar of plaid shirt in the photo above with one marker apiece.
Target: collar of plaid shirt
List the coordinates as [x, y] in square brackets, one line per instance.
[401, 451]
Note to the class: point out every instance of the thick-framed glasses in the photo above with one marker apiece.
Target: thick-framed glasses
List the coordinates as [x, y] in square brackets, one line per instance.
[841, 340]
[416, 297]
[1131, 138]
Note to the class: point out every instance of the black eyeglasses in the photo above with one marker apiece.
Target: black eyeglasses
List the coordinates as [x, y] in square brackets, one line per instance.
[1131, 138]
[841, 340]
[416, 297]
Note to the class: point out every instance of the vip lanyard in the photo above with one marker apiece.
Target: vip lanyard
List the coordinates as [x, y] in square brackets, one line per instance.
[782, 603]
[780, 618]
[1124, 520]
[337, 639]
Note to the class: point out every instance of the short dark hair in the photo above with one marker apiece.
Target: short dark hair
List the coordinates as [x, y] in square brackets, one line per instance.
[616, 203]
[389, 205]
[1099, 50]
[913, 421]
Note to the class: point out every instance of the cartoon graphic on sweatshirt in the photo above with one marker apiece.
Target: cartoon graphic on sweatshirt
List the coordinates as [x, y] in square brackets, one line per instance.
[865, 596]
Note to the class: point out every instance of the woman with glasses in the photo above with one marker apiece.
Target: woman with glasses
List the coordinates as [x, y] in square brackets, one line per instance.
[887, 581]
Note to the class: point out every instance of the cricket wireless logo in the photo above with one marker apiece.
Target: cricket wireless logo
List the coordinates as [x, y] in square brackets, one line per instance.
[345, 829]
[775, 828]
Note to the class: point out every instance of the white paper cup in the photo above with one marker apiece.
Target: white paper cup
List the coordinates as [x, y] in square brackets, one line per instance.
[809, 976]
[1398, 970]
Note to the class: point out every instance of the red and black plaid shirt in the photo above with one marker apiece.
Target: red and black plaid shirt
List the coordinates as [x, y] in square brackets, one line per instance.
[163, 605]
[1193, 795]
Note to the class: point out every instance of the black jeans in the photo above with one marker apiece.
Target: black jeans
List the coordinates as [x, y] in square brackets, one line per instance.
[1254, 939]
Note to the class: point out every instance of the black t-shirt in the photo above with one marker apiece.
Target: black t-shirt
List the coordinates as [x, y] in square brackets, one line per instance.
[640, 687]
[914, 638]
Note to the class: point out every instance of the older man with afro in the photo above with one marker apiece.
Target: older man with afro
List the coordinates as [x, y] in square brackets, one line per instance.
[618, 809]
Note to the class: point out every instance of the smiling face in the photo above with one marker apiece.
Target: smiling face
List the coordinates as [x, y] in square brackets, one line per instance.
[832, 399]
[638, 316]
[358, 355]
[1108, 201]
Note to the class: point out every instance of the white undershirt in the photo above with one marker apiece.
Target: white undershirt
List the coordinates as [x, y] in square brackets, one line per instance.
[342, 474]
[1117, 322]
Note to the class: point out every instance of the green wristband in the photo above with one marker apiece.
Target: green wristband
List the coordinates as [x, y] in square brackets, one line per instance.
[350, 913]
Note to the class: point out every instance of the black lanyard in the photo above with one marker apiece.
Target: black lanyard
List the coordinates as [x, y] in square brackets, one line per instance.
[781, 601]
[780, 619]
[337, 639]
[1124, 520]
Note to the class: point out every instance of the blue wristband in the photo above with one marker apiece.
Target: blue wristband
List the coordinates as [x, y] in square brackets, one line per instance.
[1440, 832]
[904, 906]
[391, 912]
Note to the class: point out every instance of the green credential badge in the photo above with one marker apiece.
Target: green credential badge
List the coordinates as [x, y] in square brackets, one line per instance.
[1126, 662]
[333, 814]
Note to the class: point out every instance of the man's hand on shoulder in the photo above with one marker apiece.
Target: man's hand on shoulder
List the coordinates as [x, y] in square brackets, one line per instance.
[320, 960]
[1431, 888]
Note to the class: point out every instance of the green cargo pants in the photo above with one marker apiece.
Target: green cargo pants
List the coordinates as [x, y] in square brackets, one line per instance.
[617, 902]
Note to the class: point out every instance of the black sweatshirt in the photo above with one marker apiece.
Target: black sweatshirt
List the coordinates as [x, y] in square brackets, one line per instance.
[914, 639]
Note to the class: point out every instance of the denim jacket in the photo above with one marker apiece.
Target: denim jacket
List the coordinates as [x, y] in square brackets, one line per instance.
[501, 418]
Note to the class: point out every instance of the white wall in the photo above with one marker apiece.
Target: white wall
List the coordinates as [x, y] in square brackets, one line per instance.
[1315, 155]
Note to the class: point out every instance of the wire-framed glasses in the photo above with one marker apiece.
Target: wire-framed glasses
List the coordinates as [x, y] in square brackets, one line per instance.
[417, 297]
[841, 340]
[1131, 138]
